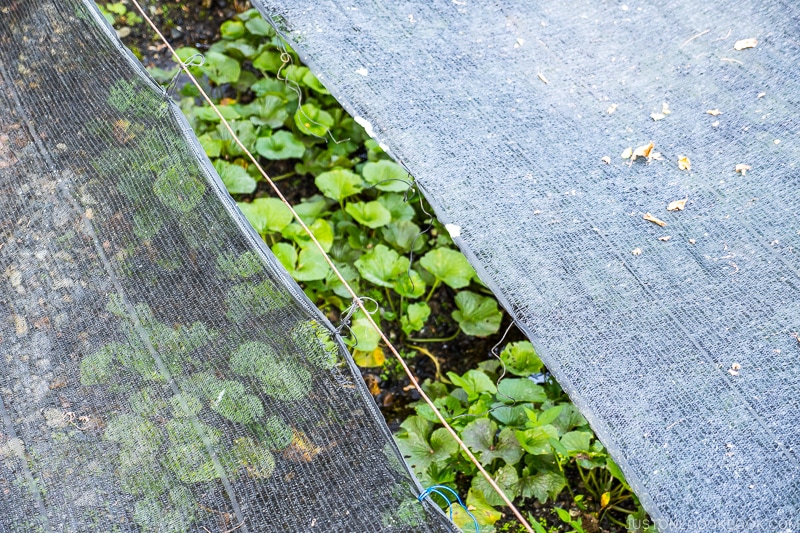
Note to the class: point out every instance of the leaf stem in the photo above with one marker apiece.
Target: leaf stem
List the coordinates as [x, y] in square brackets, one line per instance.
[284, 176]
[441, 339]
[429, 355]
[389, 298]
[433, 288]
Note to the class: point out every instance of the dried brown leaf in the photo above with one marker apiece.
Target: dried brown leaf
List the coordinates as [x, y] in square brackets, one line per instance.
[677, 205]
[643, 151]
[301, 450]
[745, 43]
[650, 218]
[684, 163]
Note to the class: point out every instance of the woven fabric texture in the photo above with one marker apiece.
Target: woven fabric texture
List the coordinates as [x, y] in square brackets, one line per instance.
[676, 340]
[160, 371]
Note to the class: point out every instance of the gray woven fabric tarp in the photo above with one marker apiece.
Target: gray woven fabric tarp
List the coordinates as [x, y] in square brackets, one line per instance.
[159, 370]
[677, 341]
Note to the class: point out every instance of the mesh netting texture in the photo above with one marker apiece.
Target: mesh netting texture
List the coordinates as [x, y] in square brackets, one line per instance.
[676, 341]
[160, 372]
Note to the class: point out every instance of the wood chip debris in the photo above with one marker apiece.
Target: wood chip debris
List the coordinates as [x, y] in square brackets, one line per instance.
[684, 163]
[742, 168]
[541, 77]
[761, 95]
[714, 112]
[637, 251]
[606, 160]
[677, 205]
[745, 43]
[665, 238]
[692, 241]
[650, 218]
[665, 110]
[734, 369]
[643, 151]
[612, 108]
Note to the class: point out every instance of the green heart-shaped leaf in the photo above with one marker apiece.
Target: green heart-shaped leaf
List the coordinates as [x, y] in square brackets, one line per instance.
[477, 315]
[286, 254]
[266, 214]
[308, 265]
[209, 115]
[245, 131]
[479, 435]
[409, 285]
[311, 266]
[506, 477]
[311, 81]
[231, 29]
[399, 208]
[269, 111]
[235, 178]
[280, 145]
[386, 175]
[542, 485]
[259, 26]
[520, 390]
[370, 214]
[448, 266]
[421, 447]
[211, 146]
[321, 229]
[220, 68]
[402, 235]
[520, 358]
[416, 316]
[365, 336]
[577, 442]
[485, 514]
[382, 266]
[474, 382]
[178, 190]
[312, 120]
[536, 441]
[339, 184]
[269, 61]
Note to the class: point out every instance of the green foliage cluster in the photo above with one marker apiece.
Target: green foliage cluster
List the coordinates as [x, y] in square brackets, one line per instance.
[118, 14]
[168, 441]
[525, 433]
[357, 210]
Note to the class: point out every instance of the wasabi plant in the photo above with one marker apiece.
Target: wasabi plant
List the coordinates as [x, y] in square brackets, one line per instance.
[358, 209]
[524, 431]
[168, 442]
